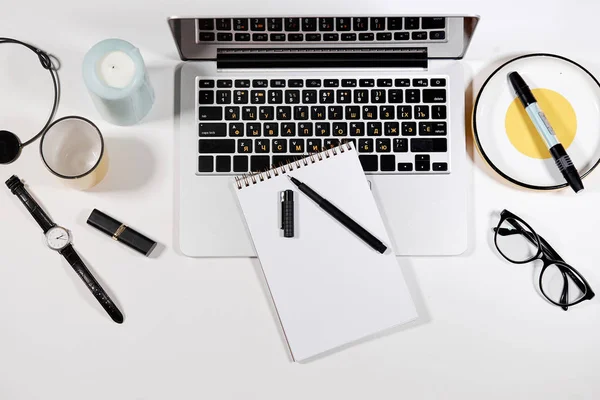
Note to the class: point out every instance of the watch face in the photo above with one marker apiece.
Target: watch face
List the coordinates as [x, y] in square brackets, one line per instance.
[57, 238]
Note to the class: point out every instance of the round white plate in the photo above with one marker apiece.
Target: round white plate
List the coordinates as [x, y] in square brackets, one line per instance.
[569, 96]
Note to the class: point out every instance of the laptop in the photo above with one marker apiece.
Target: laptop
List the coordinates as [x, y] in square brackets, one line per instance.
[256, 91]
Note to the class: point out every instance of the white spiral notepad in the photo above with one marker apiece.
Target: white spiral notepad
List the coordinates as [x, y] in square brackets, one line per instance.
[329, 287]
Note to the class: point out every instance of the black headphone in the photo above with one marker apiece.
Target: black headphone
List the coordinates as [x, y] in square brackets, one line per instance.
[10, 145]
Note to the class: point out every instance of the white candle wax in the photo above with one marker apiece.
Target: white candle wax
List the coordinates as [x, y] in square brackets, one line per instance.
[116, 69]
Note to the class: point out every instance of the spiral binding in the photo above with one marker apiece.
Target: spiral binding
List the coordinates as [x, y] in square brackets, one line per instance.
[260, 176]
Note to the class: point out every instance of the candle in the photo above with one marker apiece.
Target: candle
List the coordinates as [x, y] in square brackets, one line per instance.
[116, 77]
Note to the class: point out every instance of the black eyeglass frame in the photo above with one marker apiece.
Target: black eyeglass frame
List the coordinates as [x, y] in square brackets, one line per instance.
[548, 256]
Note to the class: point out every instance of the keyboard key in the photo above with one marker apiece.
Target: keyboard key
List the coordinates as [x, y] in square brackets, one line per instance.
[260, 37]
[206, 83]
[205, 164]
[387, 112]
[326, 24]
[365, 145]
[245, 146]
[335, 112]
[360, 24]
[223, 164]
[292, 96]
[240, 97]
[313, 145]
[422, 157]
[344, 96]
[276, 83]
[210, 113]
[402, 82]
[352, 112]
[366, 37]
[442, 166]
[263, 146]
[282, 160]
[421, 112]
[434, 95]
[284, 113]
[409, 129]
[437, 35]
[378, 23]
[422, 165]
[275, 96]
[223, 24]
[309, 24]
[388, 163]
[401, 36]
[369, 112]
[257, 24]
[266, 113]
[317, 112]
[206, 24]
[394, 24]
[309, 96]
[292, 24]
[342, 24]
[395, 96]
[236, 130]
[384, 83]
[258, 97]
[369, 163]
[322, 129]
[378, 96]
[357, 129]
[434, 23]
[312, 83]
[340, 129]
[249, 113]
[301, 113]
[438, 112]
[288, 129]
[331, 37]
[400, 145]
[224, 83]
[213, 129]
[206, 37]
[279, 146]
[392, 129]
[361, 96]
[411, 23]
[206, 97]
[305, 129]
[240, 24]
[428, 145]
[426, 128]
[439, 128]
[348, 82]
[331, 82]
[240, 163]
[374, 129]
[419, 82]
[419, 36]
[295, 37]
[224, 37]
[438, 82]
[232, 113]
[218, 146]
[296, 83]
[413, 96]
[296, 145]
[367, 82]
[405, 167]
[260, 83]
[253, 129]
[327, 96]
[277, 37]
[242, 83]
[259, 163]
[348, 37]
[271, 129]
[404, 112]
[242, 37]
[275, 24]
[313, 37]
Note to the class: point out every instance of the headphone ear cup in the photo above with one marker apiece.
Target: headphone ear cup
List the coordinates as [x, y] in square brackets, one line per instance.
[10, 147]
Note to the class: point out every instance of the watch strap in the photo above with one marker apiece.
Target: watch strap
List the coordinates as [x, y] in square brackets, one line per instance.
[18, 189]
[86, 276]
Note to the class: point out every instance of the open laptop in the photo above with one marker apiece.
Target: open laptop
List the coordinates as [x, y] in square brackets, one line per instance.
[257, 91]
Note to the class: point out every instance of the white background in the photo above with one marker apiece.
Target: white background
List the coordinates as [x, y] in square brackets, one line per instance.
[205, 328]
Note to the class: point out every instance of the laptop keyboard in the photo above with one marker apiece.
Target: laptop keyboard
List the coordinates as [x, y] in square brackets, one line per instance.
[316, 29]
[398, 125]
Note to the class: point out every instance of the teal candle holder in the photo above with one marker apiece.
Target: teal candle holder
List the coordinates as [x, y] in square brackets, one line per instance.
[117, 80]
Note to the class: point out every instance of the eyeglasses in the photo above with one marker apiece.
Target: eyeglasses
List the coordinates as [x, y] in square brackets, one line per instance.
[560, 283]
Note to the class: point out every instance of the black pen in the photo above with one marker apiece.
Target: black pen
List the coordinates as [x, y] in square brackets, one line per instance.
[339, 215]
[561, 158]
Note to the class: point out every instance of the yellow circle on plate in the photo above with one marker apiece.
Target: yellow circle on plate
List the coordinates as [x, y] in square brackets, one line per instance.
[522, 133]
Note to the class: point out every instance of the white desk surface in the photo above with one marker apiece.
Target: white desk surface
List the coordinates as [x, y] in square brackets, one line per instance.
[205, 329]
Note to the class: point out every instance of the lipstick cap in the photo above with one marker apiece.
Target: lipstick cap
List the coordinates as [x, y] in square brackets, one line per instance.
[121, 232]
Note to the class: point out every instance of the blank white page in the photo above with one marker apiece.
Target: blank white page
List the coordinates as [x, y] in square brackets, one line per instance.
[329, 287]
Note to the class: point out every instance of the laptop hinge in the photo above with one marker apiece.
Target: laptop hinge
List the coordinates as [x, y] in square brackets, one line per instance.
[323, 58]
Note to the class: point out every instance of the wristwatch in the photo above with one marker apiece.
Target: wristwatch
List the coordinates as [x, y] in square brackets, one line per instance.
[59, 239]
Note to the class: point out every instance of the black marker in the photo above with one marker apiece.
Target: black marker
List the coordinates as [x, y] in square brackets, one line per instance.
[339, 215]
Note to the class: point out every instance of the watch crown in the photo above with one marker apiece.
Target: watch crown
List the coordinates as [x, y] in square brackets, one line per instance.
[13, 183]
